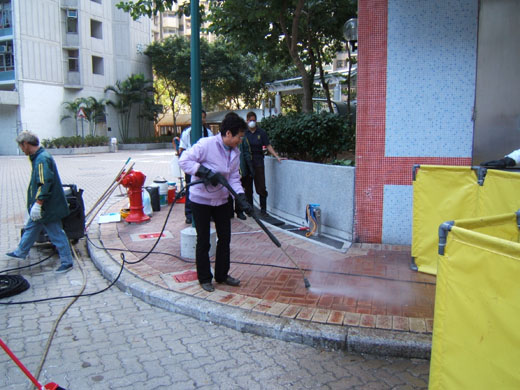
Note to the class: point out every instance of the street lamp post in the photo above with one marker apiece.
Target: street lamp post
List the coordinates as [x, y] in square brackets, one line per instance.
[350, 32]
[196, 111]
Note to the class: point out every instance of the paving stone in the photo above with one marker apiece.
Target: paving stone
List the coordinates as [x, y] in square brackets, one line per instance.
[116, 341]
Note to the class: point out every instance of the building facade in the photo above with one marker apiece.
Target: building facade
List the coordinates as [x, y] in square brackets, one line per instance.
[174, 23]
[54, 51]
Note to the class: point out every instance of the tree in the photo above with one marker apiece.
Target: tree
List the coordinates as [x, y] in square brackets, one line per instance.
[129, 93]
[171, 65]
[73, 108]
[308, 31]
[229, 78]
[94, 111]
[138, 8]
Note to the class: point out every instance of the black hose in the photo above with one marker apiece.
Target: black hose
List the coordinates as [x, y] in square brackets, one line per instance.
[12, 285]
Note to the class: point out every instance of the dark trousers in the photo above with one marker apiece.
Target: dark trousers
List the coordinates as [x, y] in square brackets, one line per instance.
[221, 215]
[187, 203]
[259, 180]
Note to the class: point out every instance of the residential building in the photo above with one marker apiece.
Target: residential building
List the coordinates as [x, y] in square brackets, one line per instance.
[172, 22]
[54, 51]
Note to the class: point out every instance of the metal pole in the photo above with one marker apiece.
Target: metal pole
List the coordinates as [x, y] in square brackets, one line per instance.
[196, 113]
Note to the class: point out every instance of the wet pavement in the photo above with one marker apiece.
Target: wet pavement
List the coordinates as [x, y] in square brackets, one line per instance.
[364, 298]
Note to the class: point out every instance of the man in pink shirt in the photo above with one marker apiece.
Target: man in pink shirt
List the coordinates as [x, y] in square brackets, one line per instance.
[215, 159]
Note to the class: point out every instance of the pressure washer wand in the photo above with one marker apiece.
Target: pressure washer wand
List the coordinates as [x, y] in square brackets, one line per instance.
[225, 183]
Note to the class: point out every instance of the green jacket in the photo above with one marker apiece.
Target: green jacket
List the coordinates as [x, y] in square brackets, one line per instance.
[246, 159]
[45, 185]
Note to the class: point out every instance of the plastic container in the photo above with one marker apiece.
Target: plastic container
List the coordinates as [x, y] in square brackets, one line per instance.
[147, 203]
[163, 189]
[172, 189]
[113, 145]
[154, 197]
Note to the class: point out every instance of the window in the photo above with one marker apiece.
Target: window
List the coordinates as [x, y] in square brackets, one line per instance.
[96, 29]
[72, 21]
[96, 1]
[5, 15]
[170, 30]
[97, 65]
[341, 64]
[6, 56]
[73, 59]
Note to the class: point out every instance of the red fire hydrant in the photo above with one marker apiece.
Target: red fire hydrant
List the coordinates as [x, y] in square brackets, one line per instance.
[134, 181]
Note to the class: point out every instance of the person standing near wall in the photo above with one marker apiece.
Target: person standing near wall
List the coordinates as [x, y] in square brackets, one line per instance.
[185, 144]
[257, 138]
[216, 160]
[247, 171]
[46, 203]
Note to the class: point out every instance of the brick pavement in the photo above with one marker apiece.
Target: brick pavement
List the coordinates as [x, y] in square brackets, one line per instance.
[113, 340]
[365, 286]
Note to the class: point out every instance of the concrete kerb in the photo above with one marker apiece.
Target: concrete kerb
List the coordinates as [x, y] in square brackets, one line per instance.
[351, 339]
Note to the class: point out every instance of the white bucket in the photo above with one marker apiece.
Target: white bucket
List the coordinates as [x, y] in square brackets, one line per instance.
[163, 189]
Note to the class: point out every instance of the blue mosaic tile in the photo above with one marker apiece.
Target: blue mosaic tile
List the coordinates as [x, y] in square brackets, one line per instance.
[431, 72]
[397, 215]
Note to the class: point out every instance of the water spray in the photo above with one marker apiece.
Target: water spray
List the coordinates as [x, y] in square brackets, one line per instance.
[225, 183]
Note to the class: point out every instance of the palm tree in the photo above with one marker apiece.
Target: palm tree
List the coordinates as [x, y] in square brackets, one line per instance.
[73, 107]
[95, 112]
[129, 92]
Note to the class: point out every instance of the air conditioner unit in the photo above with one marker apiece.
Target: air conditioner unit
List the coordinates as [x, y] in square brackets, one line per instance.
[72, 13]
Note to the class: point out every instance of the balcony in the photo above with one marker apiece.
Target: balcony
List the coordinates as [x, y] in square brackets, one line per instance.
[9, 98]
[70, 4]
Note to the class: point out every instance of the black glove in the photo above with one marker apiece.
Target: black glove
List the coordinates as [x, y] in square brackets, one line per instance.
[502, 163]
[213, 178]
[242, 204]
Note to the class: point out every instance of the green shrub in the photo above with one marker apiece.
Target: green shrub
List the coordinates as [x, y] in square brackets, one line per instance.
[75, 141]
[96, 140]
[310, 137]
[47, 143]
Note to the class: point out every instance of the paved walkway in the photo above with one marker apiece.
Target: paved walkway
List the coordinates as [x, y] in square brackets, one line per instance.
[365, 299]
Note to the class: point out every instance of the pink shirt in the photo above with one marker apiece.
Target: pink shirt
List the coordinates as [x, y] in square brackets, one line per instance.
[212, 153]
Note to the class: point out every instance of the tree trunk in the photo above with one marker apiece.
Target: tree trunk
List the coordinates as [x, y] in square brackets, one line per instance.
[291, 39]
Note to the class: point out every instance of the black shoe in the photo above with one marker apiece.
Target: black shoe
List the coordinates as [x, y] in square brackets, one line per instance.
[240, 215]
[231, 281]
[263, 213]
[63, 268]
[188, 220]
[208, 287]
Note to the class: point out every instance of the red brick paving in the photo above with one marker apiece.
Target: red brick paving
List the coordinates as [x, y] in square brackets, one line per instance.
[370, 285]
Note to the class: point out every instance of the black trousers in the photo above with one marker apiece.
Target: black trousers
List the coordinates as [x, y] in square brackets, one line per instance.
[187, 203]
[259, 180]
[221, 215]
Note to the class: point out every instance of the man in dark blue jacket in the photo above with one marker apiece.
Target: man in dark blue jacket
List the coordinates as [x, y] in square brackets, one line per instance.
[46, 203]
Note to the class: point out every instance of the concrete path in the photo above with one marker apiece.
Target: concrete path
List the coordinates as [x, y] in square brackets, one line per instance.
[113, 340]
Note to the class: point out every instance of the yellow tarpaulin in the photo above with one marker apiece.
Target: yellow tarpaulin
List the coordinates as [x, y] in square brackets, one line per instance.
[440, 193]
[500, 192]
[445, 193]
[476, 334]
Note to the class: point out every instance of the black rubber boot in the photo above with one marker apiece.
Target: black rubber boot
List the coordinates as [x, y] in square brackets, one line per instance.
[263, 205]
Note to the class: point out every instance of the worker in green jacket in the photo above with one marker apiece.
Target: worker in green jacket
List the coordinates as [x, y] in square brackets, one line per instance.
[46, 203]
